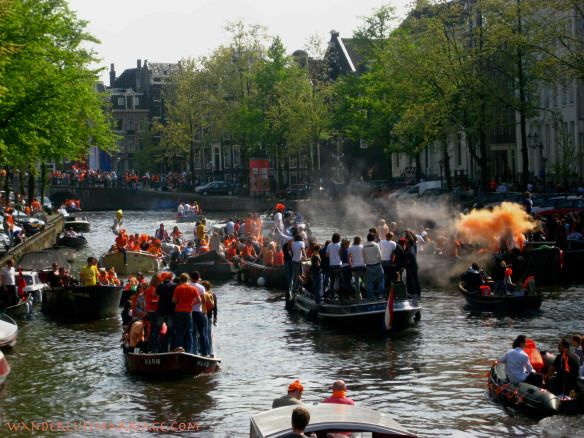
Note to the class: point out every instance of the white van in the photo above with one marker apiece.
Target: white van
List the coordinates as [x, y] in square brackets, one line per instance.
[420, 188]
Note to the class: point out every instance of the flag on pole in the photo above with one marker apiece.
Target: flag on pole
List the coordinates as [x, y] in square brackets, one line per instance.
[388, 320]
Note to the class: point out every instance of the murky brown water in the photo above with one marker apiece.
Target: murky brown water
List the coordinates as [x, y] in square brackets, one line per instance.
[430, 377]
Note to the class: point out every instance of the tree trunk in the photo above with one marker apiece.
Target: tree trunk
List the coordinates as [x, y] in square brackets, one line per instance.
[43, 183]
[446, 163]
[418, 167]
[31, 186]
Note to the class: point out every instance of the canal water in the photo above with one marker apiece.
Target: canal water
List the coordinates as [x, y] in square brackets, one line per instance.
[431, 377]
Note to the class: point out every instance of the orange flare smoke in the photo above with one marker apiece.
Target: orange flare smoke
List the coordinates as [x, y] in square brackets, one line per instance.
[489, 226]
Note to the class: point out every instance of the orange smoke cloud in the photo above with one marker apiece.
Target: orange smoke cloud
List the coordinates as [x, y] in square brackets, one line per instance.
[489, 226]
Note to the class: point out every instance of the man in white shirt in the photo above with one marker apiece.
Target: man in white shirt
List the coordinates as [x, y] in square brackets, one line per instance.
[518, 368]
[357, 264]
[200, 340]
[387, 247]
[230, 227]
[298, 254]
[372, 258]
[10, 294]
[333, 253]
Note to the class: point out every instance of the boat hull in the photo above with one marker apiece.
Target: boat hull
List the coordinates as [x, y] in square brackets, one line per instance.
[509, 303]
[72, 242]
[79, 225]
[210, 265]
[8, 332]
[529, 398]
[274, 276]
[190, 218]
[4, 369]
[136, 261]
[169, 364]
[22, 309]
[84, 303]
[366, 315]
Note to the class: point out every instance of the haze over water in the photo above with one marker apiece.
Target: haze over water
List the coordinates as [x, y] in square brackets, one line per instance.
[430, 377]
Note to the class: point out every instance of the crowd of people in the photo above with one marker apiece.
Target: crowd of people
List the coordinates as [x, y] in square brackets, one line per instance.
[170, 314]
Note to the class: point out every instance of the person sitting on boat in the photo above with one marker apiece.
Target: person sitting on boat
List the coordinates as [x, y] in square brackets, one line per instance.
[248, 252]
[339, 394]
[292, 398]
[204, 245]
[112, 277]
[300, 419]
[89, 274]
[177, 236]
[102, 276]
[71, 232]
[161, 234]
[65, 279]
[562, 376]
[137, 336]
[266, 256]
[127, 313]
[188, 250]
[517, 365]
[472, 279]
[216, 245]
[156, 248]
[232, 250]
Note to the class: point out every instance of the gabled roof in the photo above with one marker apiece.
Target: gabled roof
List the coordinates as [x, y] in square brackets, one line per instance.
[127, 79]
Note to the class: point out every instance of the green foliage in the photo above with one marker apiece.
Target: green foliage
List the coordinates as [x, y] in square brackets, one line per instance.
[49, 108]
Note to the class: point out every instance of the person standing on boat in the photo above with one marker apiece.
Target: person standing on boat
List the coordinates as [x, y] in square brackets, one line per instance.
[89, 273]
[339, 394]
[151, 309]
[161, 234]
[387, 247]
[165, 310]
[278, 220]
[517, 365]
[315, 274]
[333, 255]
[9, 289]
[357, 265]
[292, 398]
[298, 255]
[200, 341]
[372, 258]
[412, 280]
[184, 297]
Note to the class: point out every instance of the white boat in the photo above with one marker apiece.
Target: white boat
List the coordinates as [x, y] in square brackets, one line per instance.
[34, 285]
[8, 332]
[328, 419]
[134, 262]
[4, 369]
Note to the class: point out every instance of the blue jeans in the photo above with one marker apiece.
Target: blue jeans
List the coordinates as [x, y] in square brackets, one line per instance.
[183, 330]
[358, 274]
[372, 272]
[316, 285]
[210, 332]
[202, 346]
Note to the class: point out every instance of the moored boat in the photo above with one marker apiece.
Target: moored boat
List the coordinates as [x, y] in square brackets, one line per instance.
[210, 265]
[76, 242]
[4, 369]
[529, 398]
[520, 301]
[363, 315]
[134, 262]
[272, 277]
[84, 303]
[79, 224]
[327, 420]
[169, 364]
[34, 285]
[22, 309]
[8, 331]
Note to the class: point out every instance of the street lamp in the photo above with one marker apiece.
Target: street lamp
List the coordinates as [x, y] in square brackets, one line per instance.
[534, 143]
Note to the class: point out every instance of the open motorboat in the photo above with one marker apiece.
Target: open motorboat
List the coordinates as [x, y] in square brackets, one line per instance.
[211, 266]
[377, 315]
[76, 242]
[79, 224]
[8, 331]
[22, 309]
[519, 299]
[328, 420]
[272, 277]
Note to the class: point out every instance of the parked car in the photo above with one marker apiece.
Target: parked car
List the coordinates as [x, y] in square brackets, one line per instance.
[216, 188]
[30, 224]
[560, 205]
[295, 191]
[489, 200]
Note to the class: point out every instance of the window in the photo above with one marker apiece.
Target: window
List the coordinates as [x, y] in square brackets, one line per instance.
[227, 162]
[197, 159]
[121, 101]
[130, 125]
[236, 156]
[136, 102]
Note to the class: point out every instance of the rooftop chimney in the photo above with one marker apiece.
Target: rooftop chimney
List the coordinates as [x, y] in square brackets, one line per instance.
[139, 64]
[112, 76]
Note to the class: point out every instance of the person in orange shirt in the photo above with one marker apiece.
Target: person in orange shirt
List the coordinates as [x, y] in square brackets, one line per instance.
[267, 255]
[248, 226]
[231, 250]
[112, 277]
[9, 227]
[204, 245]
[35, 205]
[184, 297]
[156, 248]
[248, 252]
[151, 308]
[278, 256]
